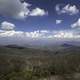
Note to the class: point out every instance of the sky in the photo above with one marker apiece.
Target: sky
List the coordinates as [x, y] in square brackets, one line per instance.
[39, 19]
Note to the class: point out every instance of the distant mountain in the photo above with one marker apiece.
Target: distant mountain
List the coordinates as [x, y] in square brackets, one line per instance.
[14, 46]
[74, 43]
[67, 45]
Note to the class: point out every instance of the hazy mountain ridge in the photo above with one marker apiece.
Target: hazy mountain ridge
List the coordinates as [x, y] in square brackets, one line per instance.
[64, 48]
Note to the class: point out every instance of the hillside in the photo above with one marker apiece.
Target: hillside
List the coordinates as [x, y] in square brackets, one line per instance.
[20, 63]
[44, 50]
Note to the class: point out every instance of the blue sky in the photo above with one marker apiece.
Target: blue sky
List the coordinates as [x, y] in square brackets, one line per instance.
[45, 22]
[21, 20]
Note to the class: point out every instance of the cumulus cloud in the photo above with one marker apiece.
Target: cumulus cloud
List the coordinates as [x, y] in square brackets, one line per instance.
[18, 9]
[68, 9]
[76, 24]
[7, 26]
[14, 8]
[36, 37]
[38, 12]
[8, 31]
[44, 31]
[64, 34]
[40, 35]
[58, 21]
[24, 12]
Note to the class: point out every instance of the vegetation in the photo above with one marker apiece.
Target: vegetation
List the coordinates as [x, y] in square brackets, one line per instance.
[28, 64]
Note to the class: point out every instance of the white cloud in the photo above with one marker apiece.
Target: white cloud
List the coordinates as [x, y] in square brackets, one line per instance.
[68, 9]
[64, 34]
[14, 8]
[36, 37]
[18, 9]
[25, 11]
[21, 34]
[38, 12]
[40, 35]
[7, 26]
[58, 21]
[76, 24]
[8, 31]
[44, 31]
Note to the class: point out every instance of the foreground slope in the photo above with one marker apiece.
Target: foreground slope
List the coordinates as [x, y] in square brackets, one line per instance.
[20, 63]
